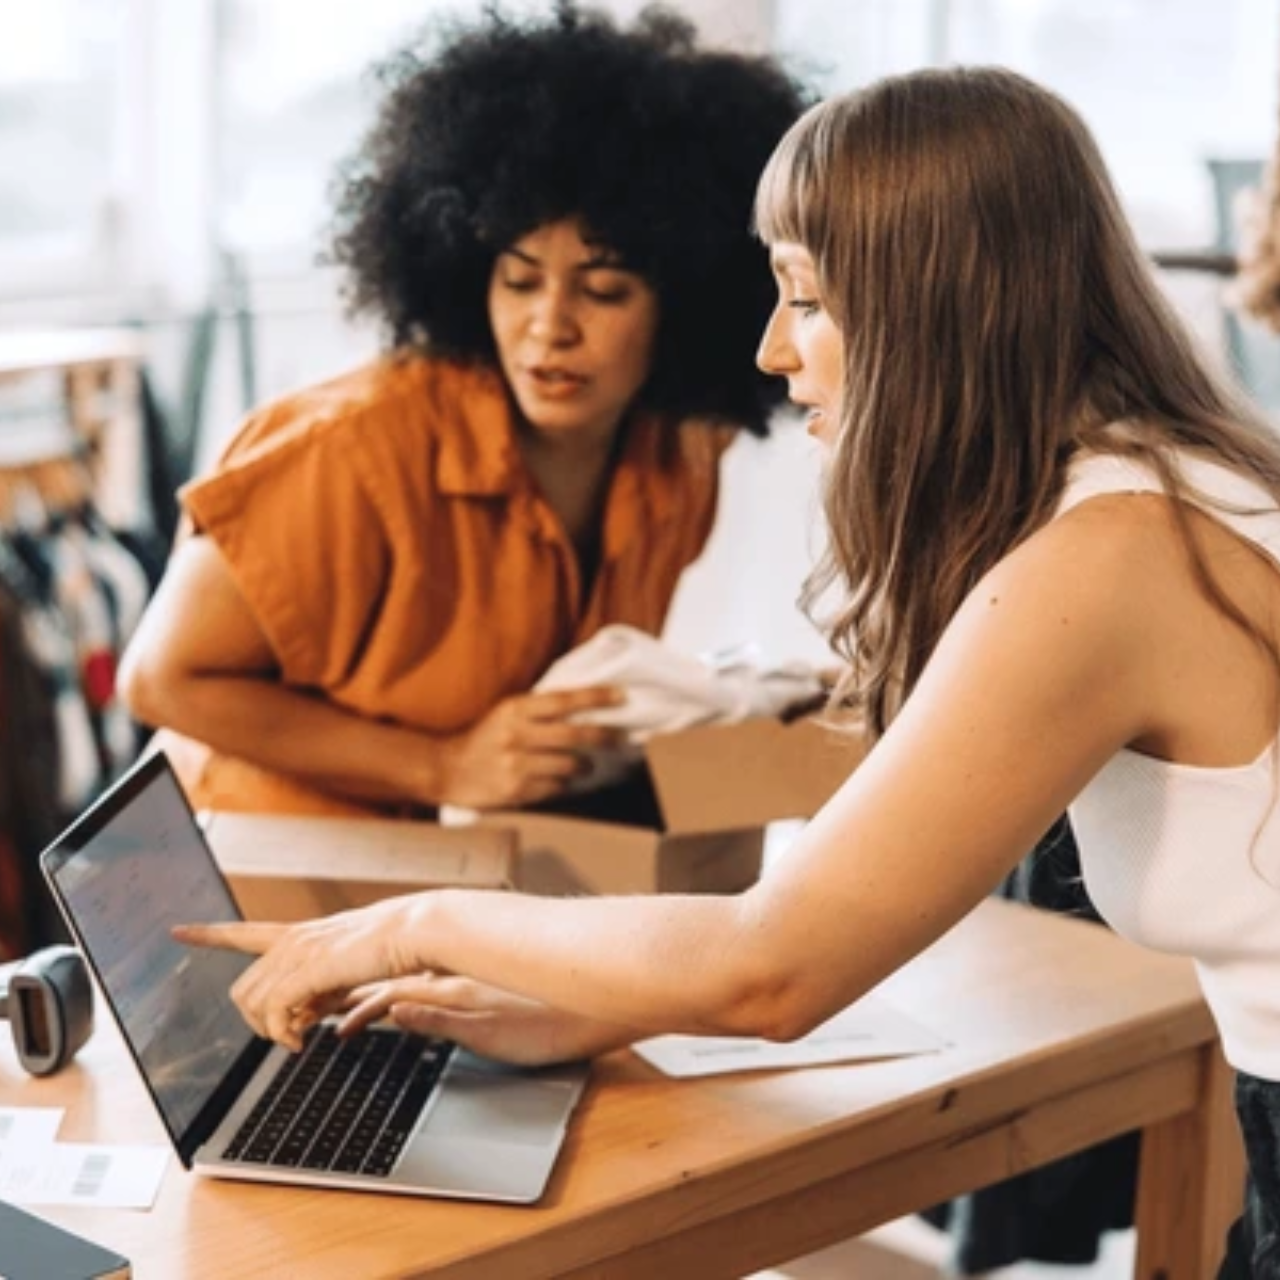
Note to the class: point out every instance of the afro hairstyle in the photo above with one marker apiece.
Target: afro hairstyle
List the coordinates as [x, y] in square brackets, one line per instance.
[492, 129]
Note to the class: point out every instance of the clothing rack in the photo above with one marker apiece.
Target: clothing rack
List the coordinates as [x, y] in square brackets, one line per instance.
[72, 588]
[77, 393]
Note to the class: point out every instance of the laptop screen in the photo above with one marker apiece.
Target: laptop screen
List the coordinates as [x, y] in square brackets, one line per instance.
[133, 866]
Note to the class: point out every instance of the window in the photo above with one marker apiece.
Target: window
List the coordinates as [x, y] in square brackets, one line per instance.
[1166, 85]
[140, 137]
[292, 103]
[59, 138]
[137, 137]
[294, 99]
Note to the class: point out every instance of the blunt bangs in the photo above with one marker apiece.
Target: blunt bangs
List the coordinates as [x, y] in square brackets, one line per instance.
[790, 204]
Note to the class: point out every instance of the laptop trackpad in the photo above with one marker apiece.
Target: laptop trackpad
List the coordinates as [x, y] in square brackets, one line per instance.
[504, 1108]
[492, 1131]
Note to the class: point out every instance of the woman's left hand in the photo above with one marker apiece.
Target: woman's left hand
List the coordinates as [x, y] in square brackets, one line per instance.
[484, 1019]
[305, 971]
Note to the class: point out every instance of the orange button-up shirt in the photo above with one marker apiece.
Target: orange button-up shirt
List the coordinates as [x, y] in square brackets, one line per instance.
[388, 538]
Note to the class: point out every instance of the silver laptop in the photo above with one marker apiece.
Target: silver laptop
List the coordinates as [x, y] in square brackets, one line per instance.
[381, 1111]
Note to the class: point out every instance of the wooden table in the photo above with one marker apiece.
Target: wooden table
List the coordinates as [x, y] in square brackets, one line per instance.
[1063, 1035]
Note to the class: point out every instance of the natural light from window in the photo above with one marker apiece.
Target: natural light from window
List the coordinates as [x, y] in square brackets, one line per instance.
[1166, 85]
[138, 135]
[59, 68]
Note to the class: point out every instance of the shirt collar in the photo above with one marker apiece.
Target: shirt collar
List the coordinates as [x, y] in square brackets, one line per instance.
[477, 455]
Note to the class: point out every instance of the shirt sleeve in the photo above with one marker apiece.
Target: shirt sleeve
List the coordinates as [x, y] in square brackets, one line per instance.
[305, 544]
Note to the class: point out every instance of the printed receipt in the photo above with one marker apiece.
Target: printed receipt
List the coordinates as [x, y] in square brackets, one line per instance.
[865, 1030]
[36, 1169]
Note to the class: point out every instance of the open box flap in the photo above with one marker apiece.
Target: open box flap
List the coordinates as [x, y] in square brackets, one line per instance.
[727, 777]
[372, 850]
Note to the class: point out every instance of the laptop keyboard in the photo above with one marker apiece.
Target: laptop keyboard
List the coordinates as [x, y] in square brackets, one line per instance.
[347, 1106]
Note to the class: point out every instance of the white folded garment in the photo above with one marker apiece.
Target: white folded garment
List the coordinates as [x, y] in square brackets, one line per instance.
[668, 690]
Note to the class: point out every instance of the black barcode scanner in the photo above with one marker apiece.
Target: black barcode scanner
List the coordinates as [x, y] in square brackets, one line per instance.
[48, 1000]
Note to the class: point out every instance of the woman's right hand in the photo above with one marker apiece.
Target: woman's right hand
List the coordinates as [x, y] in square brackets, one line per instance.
[484, 1019]
[527, 749]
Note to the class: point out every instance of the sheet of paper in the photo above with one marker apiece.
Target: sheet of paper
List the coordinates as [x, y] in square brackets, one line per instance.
[29, 1126]
[45, 1172]
[868, 1029]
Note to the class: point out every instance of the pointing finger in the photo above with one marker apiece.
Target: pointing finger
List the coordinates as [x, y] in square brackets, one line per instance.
[253, 938]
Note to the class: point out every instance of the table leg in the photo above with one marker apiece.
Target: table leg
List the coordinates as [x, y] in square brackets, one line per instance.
[1190, 1182]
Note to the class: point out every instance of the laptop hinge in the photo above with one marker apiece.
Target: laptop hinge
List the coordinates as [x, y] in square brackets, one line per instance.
[211, 1115]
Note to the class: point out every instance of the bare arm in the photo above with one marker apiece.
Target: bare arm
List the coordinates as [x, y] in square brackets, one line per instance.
[1071, 649]
[201, 664]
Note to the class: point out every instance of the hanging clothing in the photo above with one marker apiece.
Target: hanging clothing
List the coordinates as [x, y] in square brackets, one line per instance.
[30, 815]
[71, 594]
[81, 595]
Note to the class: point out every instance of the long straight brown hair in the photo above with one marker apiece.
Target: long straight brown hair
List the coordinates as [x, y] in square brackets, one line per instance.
[997, 317]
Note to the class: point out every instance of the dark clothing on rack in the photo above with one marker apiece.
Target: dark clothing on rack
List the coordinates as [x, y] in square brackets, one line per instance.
[72, 594]
[169, 463]
[1060, 1212]
[29, 813]
[81, 594]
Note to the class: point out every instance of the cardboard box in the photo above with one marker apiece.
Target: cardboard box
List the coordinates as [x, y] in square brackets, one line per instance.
[287, 868]
[716, 789]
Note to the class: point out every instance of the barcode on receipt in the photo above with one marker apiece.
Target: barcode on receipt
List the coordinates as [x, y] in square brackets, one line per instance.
[91, 1176]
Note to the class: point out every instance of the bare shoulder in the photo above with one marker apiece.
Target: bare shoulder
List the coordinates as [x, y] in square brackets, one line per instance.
[1113, 527]
[1103, 613]
[1115, 557]
[1077, 623]
[1140, 546]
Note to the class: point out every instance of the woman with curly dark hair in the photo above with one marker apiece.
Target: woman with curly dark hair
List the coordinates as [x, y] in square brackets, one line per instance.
[550, 221]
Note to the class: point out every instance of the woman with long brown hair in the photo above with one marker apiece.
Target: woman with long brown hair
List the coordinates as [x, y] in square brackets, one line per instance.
[1056, 537]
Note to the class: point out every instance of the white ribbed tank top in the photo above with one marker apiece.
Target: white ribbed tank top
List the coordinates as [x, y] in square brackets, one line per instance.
[1186, 859]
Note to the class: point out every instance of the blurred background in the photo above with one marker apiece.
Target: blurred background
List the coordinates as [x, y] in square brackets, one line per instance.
[164, 170]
